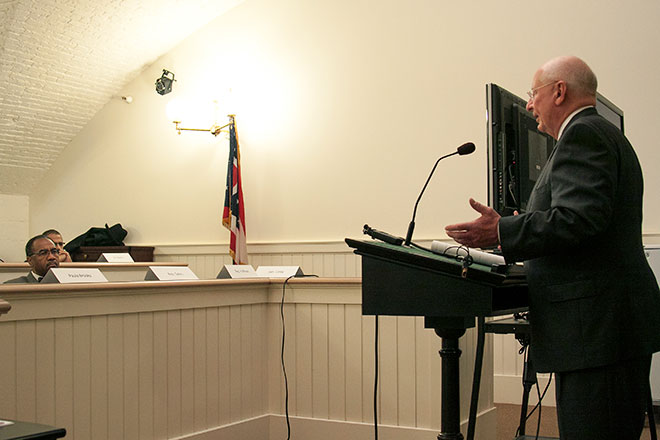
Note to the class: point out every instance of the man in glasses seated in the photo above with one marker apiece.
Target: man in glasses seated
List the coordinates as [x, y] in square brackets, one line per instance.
[42, 254]
[56, 237]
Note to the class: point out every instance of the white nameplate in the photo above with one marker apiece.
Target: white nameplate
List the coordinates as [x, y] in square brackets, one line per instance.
[115, 257]
[60, 275]
[169, 273]
[237, 271]
[279, 271]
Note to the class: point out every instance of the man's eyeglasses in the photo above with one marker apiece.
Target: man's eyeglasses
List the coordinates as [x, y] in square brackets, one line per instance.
[532, 92]
[44, 252]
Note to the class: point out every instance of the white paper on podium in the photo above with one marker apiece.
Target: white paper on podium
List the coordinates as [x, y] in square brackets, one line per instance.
[455, 250]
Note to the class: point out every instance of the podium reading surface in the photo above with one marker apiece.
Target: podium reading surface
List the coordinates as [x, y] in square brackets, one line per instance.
[404, 281]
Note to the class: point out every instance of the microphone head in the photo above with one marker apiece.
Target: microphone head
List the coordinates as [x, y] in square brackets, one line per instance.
[466, 148]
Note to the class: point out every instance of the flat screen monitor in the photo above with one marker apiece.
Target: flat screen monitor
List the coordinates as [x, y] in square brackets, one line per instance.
[517, 151]
[609, 111]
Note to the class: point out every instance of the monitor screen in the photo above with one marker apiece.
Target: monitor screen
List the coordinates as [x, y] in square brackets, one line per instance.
[609, 111]
[517, 151]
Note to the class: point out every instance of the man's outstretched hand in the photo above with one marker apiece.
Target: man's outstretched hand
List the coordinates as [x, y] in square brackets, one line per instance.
[479, 233]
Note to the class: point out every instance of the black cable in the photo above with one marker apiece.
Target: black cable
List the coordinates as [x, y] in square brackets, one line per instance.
[540, 395]
[476, 379]
[376, 379]
[523, 351]
[420, 247]
[465, 259]
[538, 420]
[286, 380]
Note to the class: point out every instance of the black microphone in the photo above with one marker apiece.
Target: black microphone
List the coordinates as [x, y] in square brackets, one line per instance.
[464, 149]
[382, 236]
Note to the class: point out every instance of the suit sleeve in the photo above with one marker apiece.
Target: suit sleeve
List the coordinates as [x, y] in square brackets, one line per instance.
[573, 206]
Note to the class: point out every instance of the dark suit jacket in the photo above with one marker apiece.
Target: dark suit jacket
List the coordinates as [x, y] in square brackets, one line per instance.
[29, 278]
[593, 297]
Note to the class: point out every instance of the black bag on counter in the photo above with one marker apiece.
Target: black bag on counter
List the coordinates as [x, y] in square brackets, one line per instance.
[108, 236]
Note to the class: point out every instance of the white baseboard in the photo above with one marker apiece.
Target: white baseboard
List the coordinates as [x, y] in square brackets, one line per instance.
[273, 426]
[509, 389]
[253, 429]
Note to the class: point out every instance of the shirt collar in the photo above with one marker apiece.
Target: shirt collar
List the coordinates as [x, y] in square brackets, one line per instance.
[36, 277]
[569, 118]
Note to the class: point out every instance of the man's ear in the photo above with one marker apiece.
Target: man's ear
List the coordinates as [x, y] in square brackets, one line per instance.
[560, 92]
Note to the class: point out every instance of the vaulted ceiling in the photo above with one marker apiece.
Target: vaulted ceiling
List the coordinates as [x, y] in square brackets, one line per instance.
[62, 60]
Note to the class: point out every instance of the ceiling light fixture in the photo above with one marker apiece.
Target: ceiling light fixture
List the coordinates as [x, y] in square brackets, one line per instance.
[164, 83]
[214, 130]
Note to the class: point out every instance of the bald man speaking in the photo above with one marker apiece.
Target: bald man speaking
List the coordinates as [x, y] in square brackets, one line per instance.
[594, 302]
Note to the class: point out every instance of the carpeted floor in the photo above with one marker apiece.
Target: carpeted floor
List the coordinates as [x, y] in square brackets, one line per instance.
[508, 418]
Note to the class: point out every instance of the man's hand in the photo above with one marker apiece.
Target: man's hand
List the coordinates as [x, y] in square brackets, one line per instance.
[479, 233]
[65, 257]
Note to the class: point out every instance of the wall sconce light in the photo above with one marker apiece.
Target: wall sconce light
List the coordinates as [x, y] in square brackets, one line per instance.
[164, 83]
[214, 130]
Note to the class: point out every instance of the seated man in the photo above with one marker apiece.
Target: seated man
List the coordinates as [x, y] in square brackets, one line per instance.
[42, 254]
[56, 237]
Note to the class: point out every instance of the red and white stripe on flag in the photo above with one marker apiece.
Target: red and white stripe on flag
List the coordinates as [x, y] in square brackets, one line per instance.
[233, 215]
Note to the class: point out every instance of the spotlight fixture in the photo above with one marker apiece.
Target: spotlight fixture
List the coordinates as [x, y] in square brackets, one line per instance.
[164, 83]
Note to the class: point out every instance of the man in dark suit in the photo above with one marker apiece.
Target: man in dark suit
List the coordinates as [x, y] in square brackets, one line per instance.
[42, 254]
[594, 302]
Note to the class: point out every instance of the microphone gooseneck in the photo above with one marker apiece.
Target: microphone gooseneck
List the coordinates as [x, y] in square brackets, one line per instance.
[464, 149]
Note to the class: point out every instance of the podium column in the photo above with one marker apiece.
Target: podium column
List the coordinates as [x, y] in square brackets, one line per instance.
[450, 331]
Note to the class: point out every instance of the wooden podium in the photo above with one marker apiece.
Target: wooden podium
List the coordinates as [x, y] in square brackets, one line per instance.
[398, 280]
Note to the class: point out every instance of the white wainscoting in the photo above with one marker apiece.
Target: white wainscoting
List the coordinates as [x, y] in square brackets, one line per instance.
[201, 360]
[336, 259]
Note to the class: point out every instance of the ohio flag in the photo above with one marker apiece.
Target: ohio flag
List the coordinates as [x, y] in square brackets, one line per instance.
[233, 215]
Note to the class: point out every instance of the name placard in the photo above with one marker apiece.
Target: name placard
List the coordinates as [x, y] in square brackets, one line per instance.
[237, 271]
[61, 275]
[169, 273]
[115, 257]
[279, 271]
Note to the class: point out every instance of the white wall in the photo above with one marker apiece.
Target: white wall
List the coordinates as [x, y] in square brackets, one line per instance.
[342, 108]
[14, 226]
